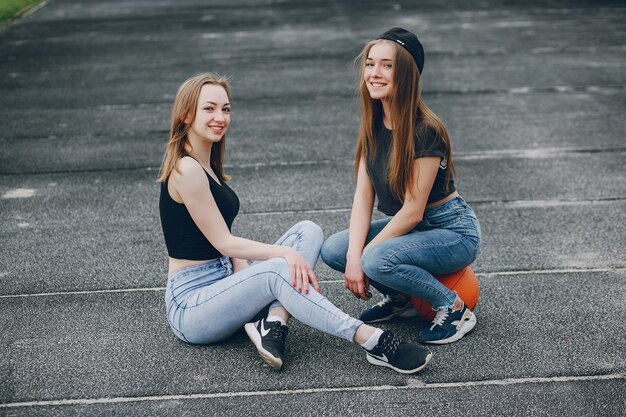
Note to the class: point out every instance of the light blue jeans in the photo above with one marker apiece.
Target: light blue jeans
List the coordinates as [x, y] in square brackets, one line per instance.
[445, 241]
[208, 303]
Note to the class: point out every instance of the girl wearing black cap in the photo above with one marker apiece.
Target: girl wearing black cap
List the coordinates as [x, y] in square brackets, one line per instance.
[404, 158]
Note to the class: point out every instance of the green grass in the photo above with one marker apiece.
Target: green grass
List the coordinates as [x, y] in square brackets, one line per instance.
[10, 9]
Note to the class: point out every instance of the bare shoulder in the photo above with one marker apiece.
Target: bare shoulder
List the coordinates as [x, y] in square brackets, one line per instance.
[188, 175]
[188, 166]
[187, 169]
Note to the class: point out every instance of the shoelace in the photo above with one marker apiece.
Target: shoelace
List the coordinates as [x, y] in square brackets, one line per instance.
[442, 315]
[388, 299]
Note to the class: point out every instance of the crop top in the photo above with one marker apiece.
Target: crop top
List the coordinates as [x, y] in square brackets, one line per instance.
[183, 238]
[426, 144]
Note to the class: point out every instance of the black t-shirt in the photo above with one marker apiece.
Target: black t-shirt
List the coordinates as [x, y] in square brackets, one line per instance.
[426, 144]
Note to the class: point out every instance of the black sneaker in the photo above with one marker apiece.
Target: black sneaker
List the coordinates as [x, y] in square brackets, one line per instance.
[269, 339]
[388, 308]
[448, 326]
[398, 355]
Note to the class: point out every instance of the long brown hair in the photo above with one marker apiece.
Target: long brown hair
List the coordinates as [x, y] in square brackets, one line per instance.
[184, 107]
[409, 116]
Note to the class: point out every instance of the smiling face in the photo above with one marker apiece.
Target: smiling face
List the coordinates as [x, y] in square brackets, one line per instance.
[379, 68]
[212, 114]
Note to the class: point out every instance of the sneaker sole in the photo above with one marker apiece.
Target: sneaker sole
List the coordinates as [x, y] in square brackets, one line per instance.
[378, 362]
[270, 359]
[405, 314]
[467, 327]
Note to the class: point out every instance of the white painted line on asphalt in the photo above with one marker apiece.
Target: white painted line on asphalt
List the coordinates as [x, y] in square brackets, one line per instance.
[554, 203]
[49, 294]
[493, 203]
[413, 384]
[499, 154]
[338, 281]
[19, 193]
[311, 211]
[548, 271]
[537, 153]
[534, 153]
[519, 381]
[529, 272]
[290, 163]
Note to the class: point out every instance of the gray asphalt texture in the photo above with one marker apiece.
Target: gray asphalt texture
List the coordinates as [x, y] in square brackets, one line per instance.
[533, 94]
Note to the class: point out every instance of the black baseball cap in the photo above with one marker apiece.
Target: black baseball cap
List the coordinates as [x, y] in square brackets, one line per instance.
[408, 40]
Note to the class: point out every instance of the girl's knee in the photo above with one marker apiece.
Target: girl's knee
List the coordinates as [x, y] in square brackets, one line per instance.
[370, 265]
[332, 251]
[312, 230]
[375, 261]
[279, 265]
[327, 253]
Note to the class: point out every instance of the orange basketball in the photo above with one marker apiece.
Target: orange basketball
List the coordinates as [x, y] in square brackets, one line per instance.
[464, 282]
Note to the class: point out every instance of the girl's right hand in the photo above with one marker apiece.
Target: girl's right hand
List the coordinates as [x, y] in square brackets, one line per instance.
[301, 272]
[355, 280]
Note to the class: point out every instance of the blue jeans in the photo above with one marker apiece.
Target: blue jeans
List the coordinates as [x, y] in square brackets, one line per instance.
[445, 241]
[207, 303]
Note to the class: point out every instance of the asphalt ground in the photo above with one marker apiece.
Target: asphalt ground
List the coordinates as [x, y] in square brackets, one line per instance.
[533, 94]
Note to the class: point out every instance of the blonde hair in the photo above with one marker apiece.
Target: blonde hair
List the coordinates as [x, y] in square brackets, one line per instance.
[409, 116]
[184, 108]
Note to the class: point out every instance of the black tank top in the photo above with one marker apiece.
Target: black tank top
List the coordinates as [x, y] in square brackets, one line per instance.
[182, 237]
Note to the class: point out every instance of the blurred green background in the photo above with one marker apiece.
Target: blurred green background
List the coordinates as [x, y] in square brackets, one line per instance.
[12, 9]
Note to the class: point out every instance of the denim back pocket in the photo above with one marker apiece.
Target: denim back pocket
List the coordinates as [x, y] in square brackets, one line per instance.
[442, 216]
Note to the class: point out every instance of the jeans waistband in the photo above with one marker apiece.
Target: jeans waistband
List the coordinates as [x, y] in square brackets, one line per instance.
[455, 202]
[223, 261]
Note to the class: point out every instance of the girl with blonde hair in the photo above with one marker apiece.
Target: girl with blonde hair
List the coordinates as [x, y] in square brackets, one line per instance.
[404, 158]
[212, 290]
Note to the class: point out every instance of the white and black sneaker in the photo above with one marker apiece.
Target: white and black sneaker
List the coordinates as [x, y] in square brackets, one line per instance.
[398, 355]
[269, 339]
[388, 308]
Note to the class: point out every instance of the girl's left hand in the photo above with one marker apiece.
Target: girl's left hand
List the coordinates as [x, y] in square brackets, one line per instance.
[355, 280]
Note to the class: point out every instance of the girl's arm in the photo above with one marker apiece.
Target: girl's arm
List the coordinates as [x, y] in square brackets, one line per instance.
[191, 184]
[360, 219]
[412, 211]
